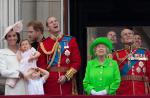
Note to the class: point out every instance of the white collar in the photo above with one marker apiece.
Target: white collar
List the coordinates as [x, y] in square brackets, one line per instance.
[7, 51]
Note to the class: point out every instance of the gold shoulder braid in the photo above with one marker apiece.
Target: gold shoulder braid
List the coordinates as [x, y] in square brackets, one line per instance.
[54, 46]
[49, 52]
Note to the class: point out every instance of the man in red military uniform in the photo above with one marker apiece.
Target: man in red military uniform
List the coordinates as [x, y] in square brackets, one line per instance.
[134, 64]
[60, 55]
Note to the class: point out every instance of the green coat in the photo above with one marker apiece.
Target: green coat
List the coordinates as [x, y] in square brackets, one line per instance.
[102, 76]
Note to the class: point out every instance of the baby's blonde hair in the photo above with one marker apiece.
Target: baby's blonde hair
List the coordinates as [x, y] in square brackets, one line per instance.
[23, 41]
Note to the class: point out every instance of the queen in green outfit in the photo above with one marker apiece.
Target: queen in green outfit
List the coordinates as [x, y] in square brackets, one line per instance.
[102, 75]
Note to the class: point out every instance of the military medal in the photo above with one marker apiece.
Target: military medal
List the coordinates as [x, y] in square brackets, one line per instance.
[130, 57]
[67, 60]
[138, 69]
[136, 57]
[67, 52]
[144, 70]
[66, 45]
[141, 64]
[145, 58]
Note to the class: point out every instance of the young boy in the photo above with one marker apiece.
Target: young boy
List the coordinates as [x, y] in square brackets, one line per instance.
[36, 77]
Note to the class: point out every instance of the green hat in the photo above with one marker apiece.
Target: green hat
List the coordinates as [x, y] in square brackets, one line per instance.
[101, 40]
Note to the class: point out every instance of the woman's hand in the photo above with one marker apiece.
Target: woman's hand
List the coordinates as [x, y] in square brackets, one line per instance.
[93, 92]
[102, 92]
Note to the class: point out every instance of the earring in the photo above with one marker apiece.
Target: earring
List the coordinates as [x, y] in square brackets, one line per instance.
[110, 55]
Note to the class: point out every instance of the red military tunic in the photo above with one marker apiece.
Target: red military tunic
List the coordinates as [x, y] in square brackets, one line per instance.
[69, 61]
[135, 79]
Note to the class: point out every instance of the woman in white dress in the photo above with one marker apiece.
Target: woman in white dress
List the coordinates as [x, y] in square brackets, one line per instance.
[9, 65]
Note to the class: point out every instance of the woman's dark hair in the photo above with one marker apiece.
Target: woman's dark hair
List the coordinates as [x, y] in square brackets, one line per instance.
[18, 36]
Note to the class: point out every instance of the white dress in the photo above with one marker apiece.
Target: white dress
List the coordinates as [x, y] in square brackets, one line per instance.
[24, 63]
[35, 86]
[9, 67]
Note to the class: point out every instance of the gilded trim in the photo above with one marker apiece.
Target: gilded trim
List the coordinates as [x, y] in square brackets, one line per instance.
[70, 73]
